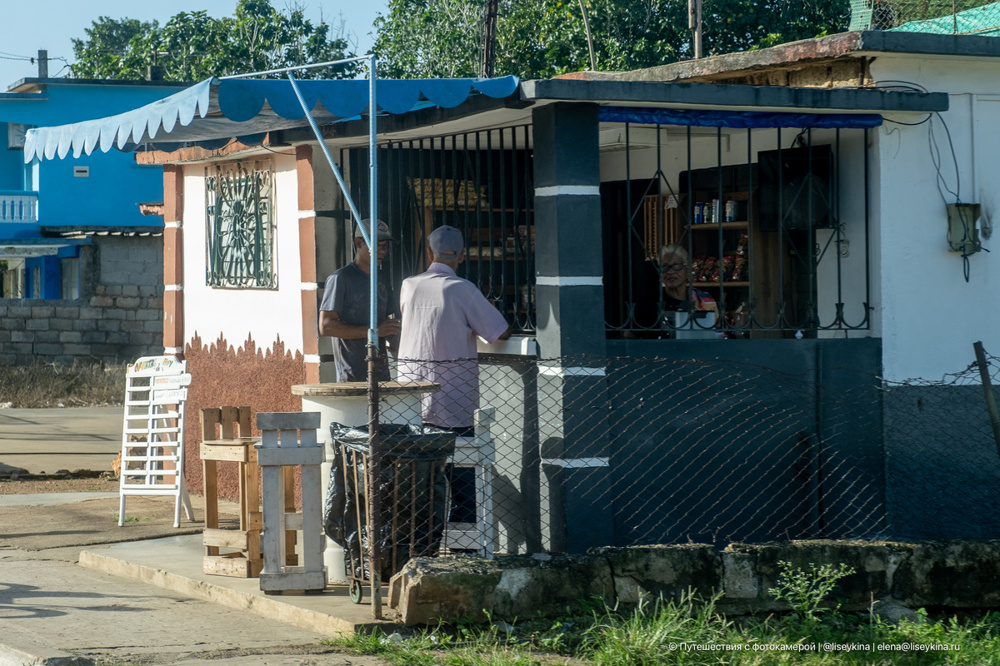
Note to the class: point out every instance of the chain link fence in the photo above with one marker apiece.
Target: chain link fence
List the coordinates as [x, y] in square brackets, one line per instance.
[946, 17]
[578, 452]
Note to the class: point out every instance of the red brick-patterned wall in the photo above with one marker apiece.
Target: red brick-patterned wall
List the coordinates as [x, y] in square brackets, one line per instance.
[307, 259]
[173, 259]
[222, 374]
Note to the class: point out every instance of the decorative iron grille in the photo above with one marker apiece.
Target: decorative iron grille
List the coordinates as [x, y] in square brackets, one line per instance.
[239, 202]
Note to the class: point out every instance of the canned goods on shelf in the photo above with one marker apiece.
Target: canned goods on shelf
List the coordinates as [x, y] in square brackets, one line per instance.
[730, 211]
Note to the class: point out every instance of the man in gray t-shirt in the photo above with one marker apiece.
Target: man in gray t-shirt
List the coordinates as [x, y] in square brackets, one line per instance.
[344, 312]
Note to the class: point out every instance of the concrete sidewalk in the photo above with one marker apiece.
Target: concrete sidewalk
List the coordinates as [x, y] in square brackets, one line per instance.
[75, 588]
[55, 600]
[44, 441]
[174, 563]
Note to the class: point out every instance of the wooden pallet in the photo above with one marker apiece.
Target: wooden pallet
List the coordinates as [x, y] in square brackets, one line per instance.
[226, 438]
[288, 441]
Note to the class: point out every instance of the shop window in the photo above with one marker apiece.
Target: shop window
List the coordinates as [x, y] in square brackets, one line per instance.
[480, 182]
[240, 226]
[771, 224]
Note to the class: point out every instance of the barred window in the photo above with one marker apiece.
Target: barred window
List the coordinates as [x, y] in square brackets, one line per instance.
[240, 233]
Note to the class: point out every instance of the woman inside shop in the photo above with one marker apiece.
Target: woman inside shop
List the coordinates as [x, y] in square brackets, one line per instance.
[686, 311]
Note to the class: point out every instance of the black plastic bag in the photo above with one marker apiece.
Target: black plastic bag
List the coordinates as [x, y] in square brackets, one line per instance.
[413, 489]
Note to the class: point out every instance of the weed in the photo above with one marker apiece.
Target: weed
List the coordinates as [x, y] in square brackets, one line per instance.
[55, 385]
[805, 590]
[689, 630]
[134, 519]
[643, 636]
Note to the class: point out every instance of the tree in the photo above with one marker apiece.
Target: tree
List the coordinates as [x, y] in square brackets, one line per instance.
[544, 38]
[107, 46]
[193, 45]
[430, 38]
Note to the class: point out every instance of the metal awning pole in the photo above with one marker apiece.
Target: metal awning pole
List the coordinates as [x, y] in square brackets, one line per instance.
[296, 68]
[374, 429]
[372, 205]
[370, 235]
[329, 157]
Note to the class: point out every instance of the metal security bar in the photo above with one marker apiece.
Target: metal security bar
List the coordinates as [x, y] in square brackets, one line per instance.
[480, 182]
[773, 225]
[240, 225]
[943, 17]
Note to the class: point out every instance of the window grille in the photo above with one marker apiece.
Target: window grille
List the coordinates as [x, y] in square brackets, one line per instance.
[480, 182]
[240, 233]
[774, 225]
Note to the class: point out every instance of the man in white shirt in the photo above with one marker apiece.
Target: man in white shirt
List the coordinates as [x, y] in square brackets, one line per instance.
[442, 316]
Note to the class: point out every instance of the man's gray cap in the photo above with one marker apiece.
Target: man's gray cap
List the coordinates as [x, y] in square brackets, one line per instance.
[446, 242]
[383, 230]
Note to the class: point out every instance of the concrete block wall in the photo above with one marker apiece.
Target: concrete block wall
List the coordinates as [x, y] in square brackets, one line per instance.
[118, 317]
[941, 574]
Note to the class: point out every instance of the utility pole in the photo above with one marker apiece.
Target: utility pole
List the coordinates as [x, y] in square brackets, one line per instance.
[43, 64]
[489, 40]
[694, 23]
[590, 39]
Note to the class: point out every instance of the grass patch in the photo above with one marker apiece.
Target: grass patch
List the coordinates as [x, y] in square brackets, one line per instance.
[55, 385]
[690, 631]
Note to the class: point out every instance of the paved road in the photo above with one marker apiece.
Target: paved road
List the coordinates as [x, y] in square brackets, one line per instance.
[55, 612]
[44, 441]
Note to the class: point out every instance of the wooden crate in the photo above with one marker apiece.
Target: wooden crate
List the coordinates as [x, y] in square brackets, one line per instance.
[226, 438]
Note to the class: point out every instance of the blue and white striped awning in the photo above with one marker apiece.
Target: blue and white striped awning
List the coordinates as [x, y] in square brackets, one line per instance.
[221, 109]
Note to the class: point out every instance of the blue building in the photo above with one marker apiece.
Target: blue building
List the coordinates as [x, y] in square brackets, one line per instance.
[50, 210]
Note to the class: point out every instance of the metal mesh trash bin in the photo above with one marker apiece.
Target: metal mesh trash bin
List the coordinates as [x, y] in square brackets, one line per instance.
[413, 489]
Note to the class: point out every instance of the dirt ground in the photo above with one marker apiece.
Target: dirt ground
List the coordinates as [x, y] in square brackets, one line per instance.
[57, 485]
[91, 518]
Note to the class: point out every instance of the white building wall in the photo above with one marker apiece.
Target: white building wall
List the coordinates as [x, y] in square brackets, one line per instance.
[263, 315]
[932, 314]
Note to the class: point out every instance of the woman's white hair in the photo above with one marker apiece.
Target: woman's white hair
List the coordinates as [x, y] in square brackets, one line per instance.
[671, 249]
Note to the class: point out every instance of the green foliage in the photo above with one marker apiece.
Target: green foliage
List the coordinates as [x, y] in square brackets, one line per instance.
[688, 631]
[806, 590]
[193, 46]
[544, 38]
[646, 635]
[107, 47]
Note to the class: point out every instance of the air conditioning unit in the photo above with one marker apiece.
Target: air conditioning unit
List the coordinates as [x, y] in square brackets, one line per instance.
[15, 135]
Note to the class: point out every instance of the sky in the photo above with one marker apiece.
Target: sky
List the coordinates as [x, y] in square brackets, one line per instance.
[28, 26]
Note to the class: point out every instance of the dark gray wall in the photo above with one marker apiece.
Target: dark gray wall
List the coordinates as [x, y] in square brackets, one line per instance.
[942, 464]
[711, 441]
[119, 316]
[749, 440]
